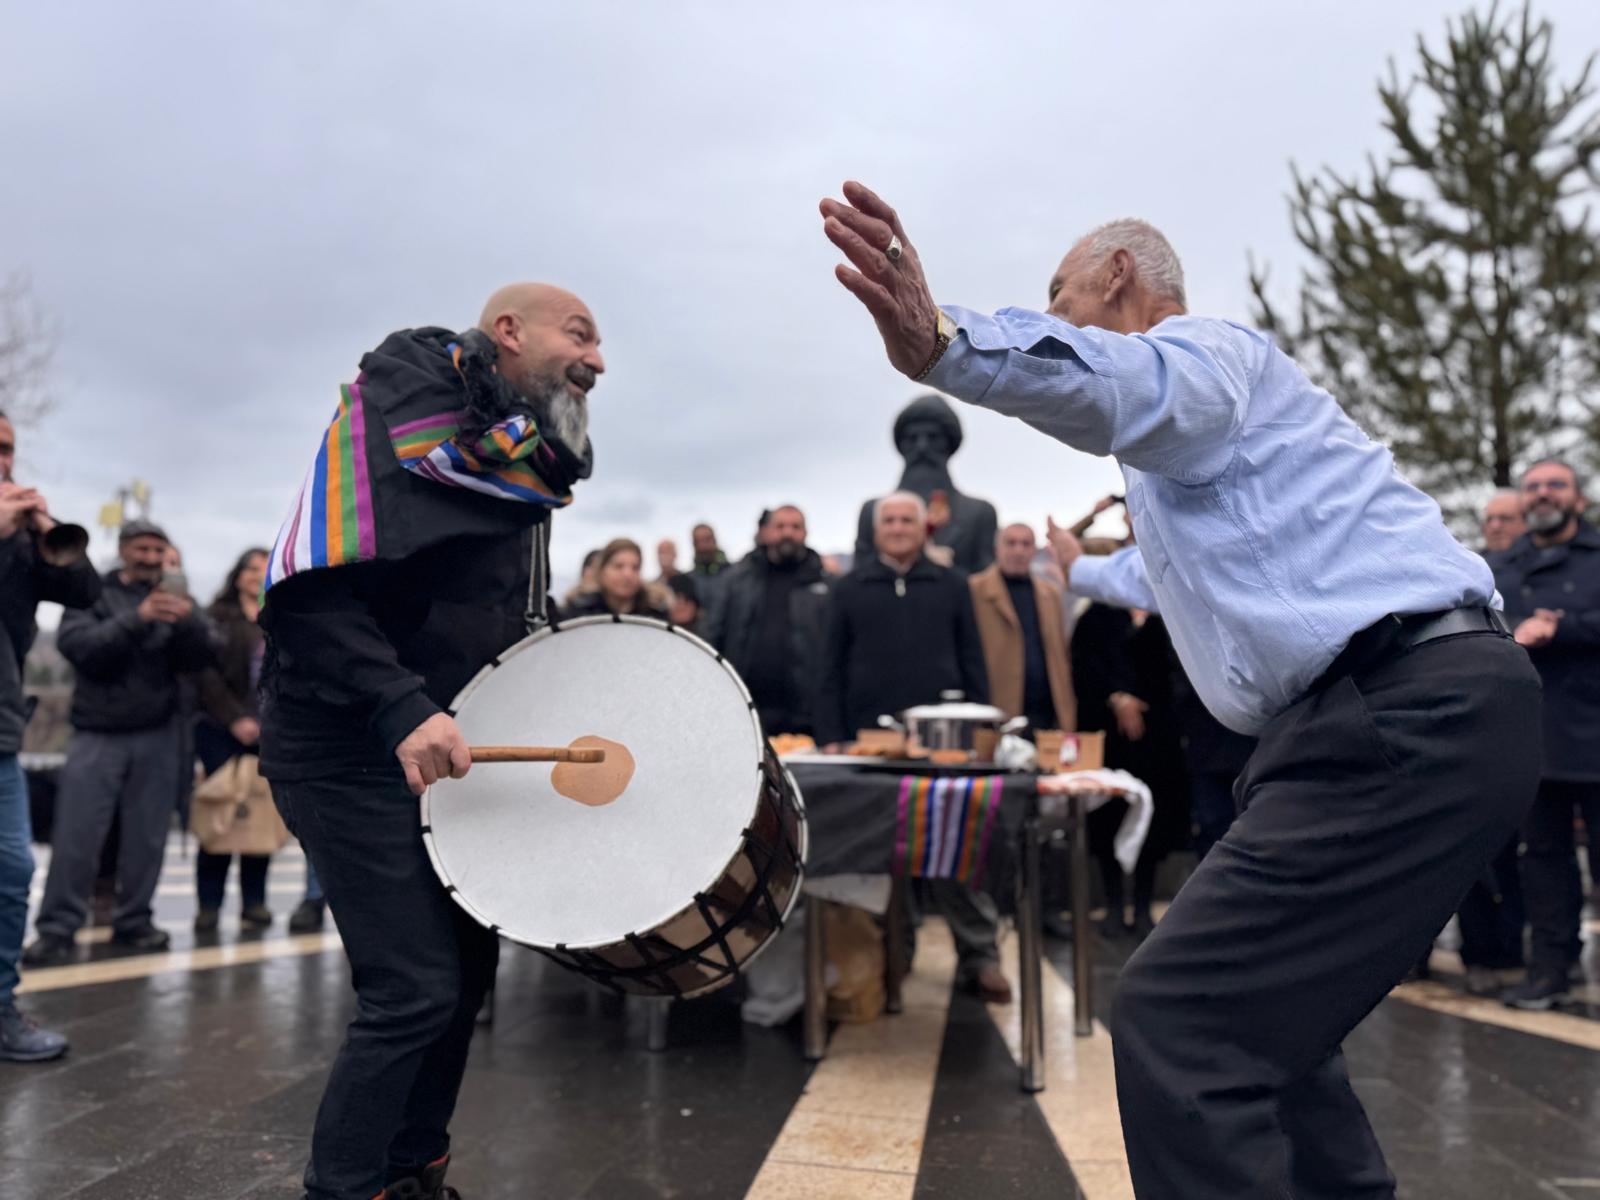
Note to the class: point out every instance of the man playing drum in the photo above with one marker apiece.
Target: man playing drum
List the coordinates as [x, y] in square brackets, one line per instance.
[413, 556]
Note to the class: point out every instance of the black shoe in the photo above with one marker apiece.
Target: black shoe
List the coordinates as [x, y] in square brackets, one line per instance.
[1113, 927]
[23, 1041]
[1542, 990]
[308, 917]
[256, 916]
[49, 950]
[429, 1185]
[205, 921]
[1481, 981]
[146, 938]
[1058, 925]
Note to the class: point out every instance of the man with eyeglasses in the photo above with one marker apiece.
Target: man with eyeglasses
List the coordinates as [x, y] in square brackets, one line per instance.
[1550, 579]
[1503, 523]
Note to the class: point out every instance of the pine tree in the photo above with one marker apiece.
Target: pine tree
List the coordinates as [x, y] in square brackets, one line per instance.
[1452, 301]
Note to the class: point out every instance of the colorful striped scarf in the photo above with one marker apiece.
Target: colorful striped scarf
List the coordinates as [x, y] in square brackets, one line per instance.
[356, 506]
[943, 826]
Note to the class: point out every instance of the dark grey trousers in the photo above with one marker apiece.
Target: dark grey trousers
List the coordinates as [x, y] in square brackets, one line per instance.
[1367, 811]
[136, 773]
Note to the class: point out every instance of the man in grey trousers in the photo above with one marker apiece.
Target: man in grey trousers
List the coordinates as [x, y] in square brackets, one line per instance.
[128, 651]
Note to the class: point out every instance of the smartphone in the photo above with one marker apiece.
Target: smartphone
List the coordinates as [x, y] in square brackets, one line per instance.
[174, 583]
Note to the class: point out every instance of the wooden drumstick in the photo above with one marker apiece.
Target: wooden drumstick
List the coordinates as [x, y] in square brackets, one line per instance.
[555, 754]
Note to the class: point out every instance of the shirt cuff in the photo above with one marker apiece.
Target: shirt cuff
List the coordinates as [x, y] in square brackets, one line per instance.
[394, 722]
[1088, 574]
[964, 371]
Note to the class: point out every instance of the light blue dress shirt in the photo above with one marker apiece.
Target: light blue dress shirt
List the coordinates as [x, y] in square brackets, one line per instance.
[1270, 528]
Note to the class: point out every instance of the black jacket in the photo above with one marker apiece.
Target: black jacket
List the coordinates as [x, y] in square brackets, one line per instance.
[26, 579]
[227, 692]
[886, 652]
[127, 668]
[358, 656]
[1565, 577]
[782, 678]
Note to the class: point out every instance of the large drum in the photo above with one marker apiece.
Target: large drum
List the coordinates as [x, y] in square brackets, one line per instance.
[673, 886]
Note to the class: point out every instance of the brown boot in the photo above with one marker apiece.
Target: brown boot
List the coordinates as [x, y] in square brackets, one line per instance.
[991, 985]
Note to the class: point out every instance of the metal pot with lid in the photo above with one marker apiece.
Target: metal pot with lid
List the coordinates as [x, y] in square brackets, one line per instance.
[954, 723]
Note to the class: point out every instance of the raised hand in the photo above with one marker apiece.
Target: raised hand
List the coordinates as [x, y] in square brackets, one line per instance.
[895, 291]
[1064, 545]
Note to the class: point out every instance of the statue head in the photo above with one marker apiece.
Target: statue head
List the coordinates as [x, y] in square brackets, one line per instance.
[927, 432]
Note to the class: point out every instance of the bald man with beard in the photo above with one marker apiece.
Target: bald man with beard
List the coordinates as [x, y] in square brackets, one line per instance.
[406, 564]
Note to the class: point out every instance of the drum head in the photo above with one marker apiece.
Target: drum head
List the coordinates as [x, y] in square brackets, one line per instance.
[547, 870]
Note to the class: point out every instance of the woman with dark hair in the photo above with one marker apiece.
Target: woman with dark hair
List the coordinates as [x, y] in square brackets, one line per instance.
[619, 585]
[229, 725]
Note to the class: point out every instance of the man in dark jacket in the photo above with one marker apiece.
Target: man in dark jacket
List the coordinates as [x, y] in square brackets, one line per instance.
[902, 632]
[39, 560]
[1550, 581]
[468, 440]
[772, 621]
[127, 651]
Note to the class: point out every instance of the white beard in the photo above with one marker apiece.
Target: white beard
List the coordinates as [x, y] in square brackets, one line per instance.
[561, 415]
[569, 417]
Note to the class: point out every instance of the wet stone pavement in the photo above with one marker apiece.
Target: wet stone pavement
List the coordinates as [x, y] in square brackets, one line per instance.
[195, 1075]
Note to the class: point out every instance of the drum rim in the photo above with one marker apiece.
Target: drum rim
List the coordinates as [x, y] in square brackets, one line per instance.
[551, 630]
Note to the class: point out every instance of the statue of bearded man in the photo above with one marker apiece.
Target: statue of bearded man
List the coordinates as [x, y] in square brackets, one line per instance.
[928, 433]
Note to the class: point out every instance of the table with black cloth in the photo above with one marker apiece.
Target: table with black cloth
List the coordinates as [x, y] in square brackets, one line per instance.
[982, 830]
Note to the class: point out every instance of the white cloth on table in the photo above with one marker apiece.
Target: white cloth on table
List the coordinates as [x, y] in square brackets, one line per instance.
[1100, 786]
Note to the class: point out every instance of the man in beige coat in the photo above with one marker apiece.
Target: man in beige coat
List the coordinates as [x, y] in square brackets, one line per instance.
[1024, 638]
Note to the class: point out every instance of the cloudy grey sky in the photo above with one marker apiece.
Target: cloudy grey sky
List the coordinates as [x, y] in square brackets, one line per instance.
[225, 204]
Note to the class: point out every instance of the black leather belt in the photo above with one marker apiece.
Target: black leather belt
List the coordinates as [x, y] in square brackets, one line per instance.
[1395, 635]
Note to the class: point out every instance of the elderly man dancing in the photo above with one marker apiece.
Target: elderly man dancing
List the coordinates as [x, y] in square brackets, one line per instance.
[1316, 600]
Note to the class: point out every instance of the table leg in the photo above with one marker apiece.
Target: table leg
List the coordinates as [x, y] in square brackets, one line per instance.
[816, 1011]
[656, 1030]
[894, 945]
[1082, 946]
[1030, 947]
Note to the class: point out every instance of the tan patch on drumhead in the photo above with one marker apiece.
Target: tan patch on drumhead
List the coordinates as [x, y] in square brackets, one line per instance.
[594, 784]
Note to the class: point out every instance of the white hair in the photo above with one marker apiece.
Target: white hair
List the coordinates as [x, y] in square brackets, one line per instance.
[903, 498]
[1155, 262]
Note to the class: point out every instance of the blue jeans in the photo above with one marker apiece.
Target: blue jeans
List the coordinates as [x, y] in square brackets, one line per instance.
[16, 870]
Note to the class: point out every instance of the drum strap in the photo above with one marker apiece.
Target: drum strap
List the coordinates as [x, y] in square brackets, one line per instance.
[537, 617]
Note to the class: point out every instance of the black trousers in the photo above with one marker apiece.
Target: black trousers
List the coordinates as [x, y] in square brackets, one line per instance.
[420, 965]
[1550, 881]
[1210, 807]
[1367, 811]
[1492, 915]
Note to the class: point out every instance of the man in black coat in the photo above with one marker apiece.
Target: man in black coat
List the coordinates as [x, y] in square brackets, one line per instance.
[128, 652]
[365, 652]
[1550, 581]
[902, 632]
[772, 621]
[39, 560]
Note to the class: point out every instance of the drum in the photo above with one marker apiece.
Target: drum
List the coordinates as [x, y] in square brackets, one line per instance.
[668, 890]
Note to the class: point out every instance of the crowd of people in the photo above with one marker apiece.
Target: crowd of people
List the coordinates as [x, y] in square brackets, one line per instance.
[826, 645]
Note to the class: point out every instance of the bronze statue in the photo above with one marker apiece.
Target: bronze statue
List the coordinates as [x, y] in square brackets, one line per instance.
[927, 433]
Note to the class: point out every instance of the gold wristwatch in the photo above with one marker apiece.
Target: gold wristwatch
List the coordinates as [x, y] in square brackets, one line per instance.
[944, 333]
